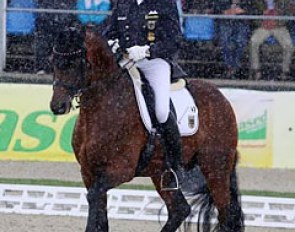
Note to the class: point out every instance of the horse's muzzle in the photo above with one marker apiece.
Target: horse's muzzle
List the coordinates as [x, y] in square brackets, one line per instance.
[60, 108]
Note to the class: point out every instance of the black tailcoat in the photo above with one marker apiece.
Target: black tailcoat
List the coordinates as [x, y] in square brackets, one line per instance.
[153, 22]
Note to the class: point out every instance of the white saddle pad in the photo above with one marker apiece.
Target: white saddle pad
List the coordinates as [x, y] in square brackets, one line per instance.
[184, 104]
[186, 109]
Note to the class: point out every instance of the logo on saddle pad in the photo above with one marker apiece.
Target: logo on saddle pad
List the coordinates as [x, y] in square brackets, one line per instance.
[186, 109]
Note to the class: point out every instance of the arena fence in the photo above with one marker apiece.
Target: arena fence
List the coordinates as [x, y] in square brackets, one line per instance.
[131, 205]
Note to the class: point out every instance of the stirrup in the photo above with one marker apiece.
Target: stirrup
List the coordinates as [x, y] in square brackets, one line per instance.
[166, 172]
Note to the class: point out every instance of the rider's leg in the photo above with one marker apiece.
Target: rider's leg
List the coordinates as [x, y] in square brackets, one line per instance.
[171, 138]
[157, 72]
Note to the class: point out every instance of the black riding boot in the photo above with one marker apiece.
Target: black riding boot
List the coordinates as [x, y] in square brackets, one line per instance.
[170, 138]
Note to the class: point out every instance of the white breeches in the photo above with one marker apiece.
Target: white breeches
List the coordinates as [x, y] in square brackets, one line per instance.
[157, 72]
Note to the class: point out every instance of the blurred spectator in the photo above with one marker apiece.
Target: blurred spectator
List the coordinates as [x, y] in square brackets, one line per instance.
[20, 31]
[20, 23]
[93, 5]
[48, 26]
[275, 28]
[196, 6]
[233, 33]
[197, 28]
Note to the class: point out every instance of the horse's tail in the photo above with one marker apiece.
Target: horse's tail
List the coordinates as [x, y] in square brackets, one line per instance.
[200, 200]
[203, 205]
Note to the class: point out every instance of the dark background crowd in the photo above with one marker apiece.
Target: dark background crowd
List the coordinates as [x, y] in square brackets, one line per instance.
[227, 47]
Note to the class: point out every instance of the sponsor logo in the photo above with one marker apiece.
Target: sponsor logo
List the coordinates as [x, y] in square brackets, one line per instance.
[254, 131]
[35, 133]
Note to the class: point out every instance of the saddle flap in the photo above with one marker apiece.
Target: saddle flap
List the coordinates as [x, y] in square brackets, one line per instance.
[186, 109]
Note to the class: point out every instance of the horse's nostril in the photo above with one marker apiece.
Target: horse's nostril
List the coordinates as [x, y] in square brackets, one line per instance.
[63, 105]
[60, 108]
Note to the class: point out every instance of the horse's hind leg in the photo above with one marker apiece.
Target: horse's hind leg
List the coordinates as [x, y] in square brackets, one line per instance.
[177, 206]
[222, 183]
[234, 216]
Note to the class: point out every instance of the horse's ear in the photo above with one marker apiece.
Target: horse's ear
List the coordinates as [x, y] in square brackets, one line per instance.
[71, 33]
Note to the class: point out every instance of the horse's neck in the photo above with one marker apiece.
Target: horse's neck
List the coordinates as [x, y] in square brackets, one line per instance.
[105, 85]
[104, 69]
[116, 84]
[110, 86]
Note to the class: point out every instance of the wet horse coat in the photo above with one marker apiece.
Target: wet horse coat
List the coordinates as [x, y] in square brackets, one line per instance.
[109, 135]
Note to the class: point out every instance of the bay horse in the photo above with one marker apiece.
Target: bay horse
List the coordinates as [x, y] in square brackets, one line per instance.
[109, 135]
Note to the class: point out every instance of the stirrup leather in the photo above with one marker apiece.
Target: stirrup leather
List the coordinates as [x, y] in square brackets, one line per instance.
[167, 172]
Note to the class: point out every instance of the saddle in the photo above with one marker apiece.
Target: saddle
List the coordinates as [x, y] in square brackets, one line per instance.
[181, 100]
[182, 105]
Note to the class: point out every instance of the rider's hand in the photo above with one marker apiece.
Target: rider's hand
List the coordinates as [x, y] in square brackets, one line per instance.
[138, 52]
[114, 45]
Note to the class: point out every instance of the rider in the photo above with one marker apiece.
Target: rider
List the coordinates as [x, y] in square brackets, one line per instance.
[149, 31]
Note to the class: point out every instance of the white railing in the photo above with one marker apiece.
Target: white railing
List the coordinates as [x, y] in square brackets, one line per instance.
[131, 204]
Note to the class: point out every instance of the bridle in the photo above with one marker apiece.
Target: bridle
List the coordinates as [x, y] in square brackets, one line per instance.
[75, 91]
[82, 85]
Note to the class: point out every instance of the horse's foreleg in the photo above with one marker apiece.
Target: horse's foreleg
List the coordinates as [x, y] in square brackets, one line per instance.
[177, 206]
[97, 212]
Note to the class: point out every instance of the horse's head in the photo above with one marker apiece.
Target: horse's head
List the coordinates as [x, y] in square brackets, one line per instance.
[80, 60]
[69, 63]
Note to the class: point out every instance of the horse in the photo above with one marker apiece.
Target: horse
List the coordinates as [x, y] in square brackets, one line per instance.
[109, 136]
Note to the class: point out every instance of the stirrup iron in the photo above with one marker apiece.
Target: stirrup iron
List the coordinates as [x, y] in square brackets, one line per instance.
[169, 172]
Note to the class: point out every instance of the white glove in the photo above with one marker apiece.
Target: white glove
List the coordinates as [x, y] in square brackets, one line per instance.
[138, 52]
[114, 44]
